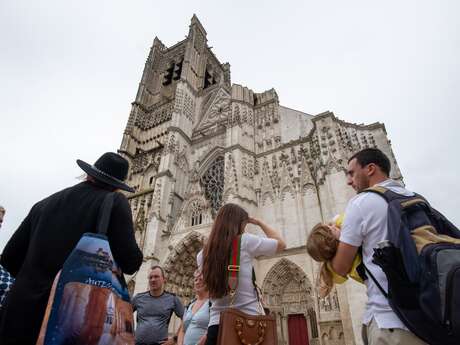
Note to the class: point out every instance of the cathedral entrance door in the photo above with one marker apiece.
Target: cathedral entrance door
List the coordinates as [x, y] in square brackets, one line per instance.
[297, 329]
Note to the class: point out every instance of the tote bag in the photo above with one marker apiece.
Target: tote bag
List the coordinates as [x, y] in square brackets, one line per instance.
[89, 303]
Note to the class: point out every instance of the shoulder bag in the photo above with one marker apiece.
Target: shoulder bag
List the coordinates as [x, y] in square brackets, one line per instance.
[236, 327]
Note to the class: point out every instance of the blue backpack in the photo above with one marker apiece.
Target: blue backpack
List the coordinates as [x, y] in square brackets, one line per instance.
[423, 288]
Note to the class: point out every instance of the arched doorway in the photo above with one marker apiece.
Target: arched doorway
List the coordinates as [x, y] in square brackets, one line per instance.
[287, 293]
[180, 265]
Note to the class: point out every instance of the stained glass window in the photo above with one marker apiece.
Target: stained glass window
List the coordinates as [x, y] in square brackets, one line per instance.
[213, 183]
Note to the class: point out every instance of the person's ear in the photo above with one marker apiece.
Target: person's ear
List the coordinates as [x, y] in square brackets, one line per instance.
[371, 169]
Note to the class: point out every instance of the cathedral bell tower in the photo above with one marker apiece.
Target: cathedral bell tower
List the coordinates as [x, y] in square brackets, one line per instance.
[158, 136]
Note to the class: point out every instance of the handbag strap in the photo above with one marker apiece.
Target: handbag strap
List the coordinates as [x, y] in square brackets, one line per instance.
[234, 270]
[234, 267]
[104, 214]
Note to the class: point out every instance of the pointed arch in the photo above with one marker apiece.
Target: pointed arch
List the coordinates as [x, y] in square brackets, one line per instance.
[287, 290]
[194, 211]
[281, 275]
[267, 197]
[180, 265]
[209, 158]
[287, 190]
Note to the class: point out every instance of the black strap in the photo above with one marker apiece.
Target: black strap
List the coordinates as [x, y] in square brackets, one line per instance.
[104, 214]
[256, 287]
[375, 281]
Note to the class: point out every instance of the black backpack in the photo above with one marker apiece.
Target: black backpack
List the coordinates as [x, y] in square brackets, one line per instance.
[423, 289]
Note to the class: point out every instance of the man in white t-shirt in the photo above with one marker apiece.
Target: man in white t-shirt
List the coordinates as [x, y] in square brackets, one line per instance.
[365, 225]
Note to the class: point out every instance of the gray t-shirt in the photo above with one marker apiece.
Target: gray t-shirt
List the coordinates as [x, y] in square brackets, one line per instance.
[153, 315]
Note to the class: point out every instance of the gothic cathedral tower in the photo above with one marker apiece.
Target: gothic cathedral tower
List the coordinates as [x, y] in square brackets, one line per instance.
[195, 142]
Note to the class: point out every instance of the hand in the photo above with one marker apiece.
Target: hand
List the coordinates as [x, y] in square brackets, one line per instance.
[202, 340]
[253, 221]
[170, 341]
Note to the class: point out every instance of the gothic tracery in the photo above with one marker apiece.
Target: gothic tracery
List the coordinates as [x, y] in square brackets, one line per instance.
[181, 264]
[287, 290]
[213, 183]
[195, 141]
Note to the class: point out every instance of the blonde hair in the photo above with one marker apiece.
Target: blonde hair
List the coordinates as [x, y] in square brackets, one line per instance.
[322, 246]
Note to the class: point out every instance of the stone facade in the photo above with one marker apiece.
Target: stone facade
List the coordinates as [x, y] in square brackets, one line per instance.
[195, 142]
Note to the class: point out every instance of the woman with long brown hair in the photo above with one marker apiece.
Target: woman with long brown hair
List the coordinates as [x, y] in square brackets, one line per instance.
[214, 259]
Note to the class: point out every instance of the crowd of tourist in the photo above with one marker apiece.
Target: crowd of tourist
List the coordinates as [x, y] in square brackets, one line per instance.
[38, 249]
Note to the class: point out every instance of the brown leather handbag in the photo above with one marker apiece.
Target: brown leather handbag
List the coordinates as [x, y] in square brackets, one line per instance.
[236, 327]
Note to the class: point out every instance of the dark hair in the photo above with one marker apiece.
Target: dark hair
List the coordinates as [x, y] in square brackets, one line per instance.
[160, 268]
[216, 253]
[371, 155]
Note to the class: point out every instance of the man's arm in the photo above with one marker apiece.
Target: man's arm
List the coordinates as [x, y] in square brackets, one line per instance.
[173, 340]
[134, 303]
[351, 237]
[343, 259]
[178, 308]
[180, 335]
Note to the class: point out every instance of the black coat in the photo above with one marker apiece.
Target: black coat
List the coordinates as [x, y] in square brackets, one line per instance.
[41, 244]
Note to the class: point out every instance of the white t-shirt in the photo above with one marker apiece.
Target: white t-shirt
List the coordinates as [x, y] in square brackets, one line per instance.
[365, 224]
[245, 298]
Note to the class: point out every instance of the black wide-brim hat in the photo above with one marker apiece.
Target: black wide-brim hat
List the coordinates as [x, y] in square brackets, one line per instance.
[110, 168]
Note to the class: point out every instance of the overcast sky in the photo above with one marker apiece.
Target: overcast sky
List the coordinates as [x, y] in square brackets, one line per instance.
[70, 69]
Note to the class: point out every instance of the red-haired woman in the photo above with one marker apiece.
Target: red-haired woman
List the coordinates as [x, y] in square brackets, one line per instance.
[215, 256]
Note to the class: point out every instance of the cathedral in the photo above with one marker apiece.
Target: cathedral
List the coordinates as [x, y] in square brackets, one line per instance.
[195, 141]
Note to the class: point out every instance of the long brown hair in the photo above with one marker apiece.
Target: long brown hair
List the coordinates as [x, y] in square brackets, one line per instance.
[322, 246]
[229, 222]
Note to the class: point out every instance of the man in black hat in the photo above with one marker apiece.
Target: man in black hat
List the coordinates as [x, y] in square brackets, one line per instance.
[41, 244]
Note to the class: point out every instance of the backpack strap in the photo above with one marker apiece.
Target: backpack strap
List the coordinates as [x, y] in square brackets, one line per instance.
[234, 267]
[104, 213]
[400, 207]
[404, 201]
[375, 281]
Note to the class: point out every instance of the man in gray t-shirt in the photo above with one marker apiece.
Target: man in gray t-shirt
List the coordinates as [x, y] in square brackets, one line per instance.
[154, 310]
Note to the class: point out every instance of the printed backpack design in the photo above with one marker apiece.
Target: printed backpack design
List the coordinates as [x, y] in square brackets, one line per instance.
[421, 259]
[89, 303]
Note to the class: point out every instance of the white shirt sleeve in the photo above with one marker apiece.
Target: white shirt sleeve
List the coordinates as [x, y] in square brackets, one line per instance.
[353, 225]
[256, 245]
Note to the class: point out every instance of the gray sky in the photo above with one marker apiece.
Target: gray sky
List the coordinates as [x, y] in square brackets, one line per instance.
[70, 69]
